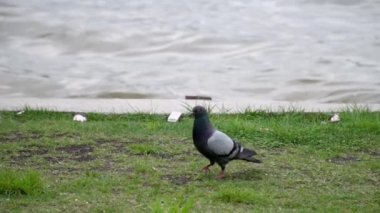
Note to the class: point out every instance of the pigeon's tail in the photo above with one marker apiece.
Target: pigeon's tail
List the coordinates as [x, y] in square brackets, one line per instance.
[247, 155]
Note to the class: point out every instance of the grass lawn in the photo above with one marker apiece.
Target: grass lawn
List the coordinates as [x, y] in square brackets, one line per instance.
[141, 163]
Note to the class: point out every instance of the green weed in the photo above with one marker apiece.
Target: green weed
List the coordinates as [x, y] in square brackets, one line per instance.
[20, 182]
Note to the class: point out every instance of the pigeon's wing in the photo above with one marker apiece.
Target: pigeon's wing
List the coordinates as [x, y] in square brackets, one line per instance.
[220, 144]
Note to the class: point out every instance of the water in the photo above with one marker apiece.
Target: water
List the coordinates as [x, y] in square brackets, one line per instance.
[283, 50]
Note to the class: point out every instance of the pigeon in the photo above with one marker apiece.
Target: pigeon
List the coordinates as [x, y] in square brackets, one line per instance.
[215, 145]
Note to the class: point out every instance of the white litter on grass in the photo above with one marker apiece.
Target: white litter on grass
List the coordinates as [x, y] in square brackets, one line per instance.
[335, 118]
[79, 118]
[20, 113]
[174, 116]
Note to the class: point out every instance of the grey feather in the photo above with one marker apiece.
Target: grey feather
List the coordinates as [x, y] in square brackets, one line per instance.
[220, 143]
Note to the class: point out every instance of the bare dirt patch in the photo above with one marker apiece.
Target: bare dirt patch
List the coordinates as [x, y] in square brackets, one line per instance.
[33, 151]
[155, 155]
[372, 153]
[178, 180]
[117, 145]
[79, 152]
[18, 136]
[343, 160]
[29, 152]
[246, 174]
[84, 158]
[77, 149]
[286, 167]
[54, 159]
[64, 135]
[162, 155]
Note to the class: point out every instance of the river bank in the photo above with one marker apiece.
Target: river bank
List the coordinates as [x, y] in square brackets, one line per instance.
[169, 105]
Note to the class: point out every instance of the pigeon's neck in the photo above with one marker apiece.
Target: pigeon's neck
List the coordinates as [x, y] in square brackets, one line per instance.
[202, 128]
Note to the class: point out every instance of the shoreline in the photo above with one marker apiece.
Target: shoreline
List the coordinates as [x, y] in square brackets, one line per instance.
[161, 106]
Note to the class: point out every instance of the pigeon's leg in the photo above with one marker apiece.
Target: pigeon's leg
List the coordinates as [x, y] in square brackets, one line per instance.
[206, 168]
[221, 174]
[222, 162]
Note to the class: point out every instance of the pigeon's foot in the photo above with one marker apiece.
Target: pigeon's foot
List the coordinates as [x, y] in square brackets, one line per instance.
[221, 176]
[206, 169]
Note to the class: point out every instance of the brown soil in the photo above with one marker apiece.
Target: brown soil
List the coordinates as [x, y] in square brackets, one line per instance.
[178, 179]
[117, 146]
[372, 153]
[156, 155]
[80, 153]
[18, 136]
[83, 158]
[54, 159]
[76, 149]
[64, 135]
[247, 174]
[343, 160]
[29, 152]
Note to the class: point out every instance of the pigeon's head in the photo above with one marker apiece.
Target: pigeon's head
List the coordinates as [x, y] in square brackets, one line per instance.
[199, 111]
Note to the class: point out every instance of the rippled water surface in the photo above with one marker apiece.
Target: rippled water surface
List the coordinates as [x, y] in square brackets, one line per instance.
[284, 50]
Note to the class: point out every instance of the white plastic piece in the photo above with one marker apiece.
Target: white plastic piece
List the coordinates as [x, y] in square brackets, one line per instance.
[335, 118]
[174, 116]
[20, 112]
[79, 118]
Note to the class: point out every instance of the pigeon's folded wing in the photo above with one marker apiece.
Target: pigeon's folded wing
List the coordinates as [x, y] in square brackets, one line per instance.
[220, 144]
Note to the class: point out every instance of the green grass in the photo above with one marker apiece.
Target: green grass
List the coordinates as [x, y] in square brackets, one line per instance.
[20, 183]
[141, 163]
